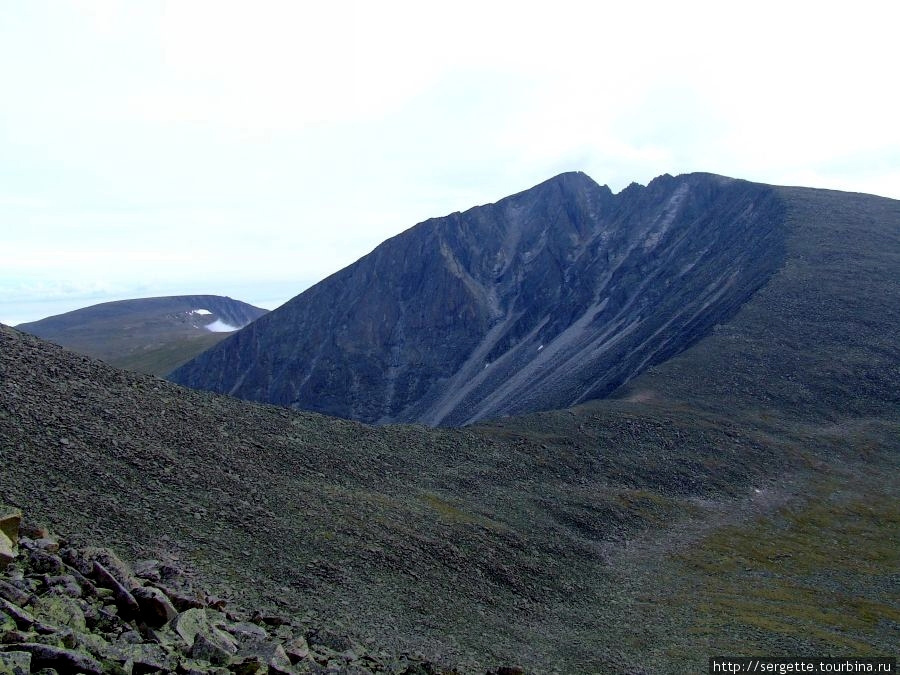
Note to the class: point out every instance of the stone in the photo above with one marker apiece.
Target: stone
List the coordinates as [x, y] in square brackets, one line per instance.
[156, 609]
[23, 619]
[62, 660]
[128, 607]
[246, 632]
[148, 569]
[271, 657]
[83, 560]
[327, 638]
[90, 642]
[10, 519]
[208, 648]
[144, 657]
[200, 622]
[12, 593]
[249, 665]
[197, 667]
[8, 550]
[15, 663]
[47, 544]
[59, 610]
[64, 584]
[42, 562]
[297, 649]
[269, 619]
[183, 601]
[33, 531]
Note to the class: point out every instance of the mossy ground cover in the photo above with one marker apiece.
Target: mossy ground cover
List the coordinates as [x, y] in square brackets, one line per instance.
[819, 575]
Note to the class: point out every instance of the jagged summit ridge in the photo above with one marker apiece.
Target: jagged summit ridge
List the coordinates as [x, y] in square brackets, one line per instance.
[546, 298]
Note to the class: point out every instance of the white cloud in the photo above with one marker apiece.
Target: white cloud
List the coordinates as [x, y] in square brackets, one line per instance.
[280, 141]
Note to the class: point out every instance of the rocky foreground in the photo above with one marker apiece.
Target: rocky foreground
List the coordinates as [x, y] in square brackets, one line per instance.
[79, 609]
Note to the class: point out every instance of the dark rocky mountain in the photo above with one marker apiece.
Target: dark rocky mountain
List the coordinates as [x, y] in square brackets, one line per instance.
[548, 298]
[738, 498]
[150, 335]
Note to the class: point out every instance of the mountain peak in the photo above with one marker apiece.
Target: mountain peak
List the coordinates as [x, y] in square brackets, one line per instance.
[547, 298]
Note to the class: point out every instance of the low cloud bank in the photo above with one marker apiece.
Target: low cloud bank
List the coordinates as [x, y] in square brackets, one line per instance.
[219, 326]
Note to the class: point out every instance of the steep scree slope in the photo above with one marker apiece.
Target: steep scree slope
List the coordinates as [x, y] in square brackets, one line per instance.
[545, 299]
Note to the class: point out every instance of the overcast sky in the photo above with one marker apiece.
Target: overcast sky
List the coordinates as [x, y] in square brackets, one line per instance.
[252, 148]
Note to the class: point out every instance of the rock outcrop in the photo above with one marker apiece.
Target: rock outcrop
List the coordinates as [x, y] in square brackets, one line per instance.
[9, 533]
[545, 299]
[82, 610]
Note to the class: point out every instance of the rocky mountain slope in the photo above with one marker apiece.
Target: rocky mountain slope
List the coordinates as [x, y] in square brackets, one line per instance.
[150, 335]
[734, 499]
[80, 609]
[545, 299]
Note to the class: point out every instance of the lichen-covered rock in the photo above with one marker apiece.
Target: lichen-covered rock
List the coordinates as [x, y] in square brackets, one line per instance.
[62, 660]
[10, 519]
[246, 632]
[59, 610]
[62, 624]
[209, 647]
[327, 638]
[297, 649]
[143, 657]
[15, 663]
[128, 607]
[269, 657]
[22, 618]
[32, 530]
[155, 607]
[83, 560]
[148, 569]
[42, 562]
[12, 593]
[65, 584]
[197, 667]
[8, 550]
[200, 623]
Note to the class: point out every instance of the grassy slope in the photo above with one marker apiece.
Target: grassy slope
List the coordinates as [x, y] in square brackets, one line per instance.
[148, 335]
[162, 358]
[626, 531]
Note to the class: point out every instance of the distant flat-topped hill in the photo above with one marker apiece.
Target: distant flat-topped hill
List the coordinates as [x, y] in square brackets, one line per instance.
[149, 335]
[548, 298]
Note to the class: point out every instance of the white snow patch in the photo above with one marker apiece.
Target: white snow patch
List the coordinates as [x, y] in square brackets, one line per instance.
[202, 312]
[219, 326]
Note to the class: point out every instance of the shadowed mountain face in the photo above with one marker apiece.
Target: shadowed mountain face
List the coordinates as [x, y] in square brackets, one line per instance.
[150, 335]
[543, 300]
